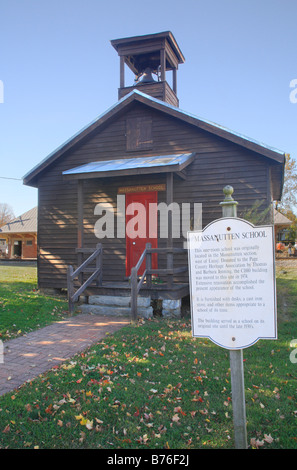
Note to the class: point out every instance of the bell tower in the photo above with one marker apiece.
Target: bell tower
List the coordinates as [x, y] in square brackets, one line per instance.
[150, 58]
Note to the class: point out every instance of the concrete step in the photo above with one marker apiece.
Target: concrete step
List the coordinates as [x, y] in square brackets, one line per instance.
[115, 310]
[114, 305]
[118, 301]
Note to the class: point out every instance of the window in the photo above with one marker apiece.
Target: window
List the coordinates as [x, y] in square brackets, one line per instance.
[29, 242]
[139, 133]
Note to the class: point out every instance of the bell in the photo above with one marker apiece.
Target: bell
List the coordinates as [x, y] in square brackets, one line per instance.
[146, 77]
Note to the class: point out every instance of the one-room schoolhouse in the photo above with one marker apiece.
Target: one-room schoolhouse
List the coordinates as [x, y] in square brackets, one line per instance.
[100, 194]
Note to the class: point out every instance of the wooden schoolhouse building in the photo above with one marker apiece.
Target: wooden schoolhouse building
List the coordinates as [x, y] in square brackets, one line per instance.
[148, 150]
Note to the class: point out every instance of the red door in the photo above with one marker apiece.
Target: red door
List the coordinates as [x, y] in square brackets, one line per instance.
[140, 230]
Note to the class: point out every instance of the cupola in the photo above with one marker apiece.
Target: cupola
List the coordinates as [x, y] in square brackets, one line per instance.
[150, 58]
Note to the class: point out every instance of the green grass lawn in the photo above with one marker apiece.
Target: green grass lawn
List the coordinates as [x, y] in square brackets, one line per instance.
[22, 307]
[151, 385]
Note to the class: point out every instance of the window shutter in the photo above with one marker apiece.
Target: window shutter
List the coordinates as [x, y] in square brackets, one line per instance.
[139, 133]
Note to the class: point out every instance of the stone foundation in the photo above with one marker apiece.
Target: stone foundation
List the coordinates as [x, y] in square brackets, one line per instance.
[171, 308]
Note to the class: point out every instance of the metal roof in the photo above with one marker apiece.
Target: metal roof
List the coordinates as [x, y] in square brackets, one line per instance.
[129, 44]
[26, 222]
[206, 121]
[160, 162]
[281, 219]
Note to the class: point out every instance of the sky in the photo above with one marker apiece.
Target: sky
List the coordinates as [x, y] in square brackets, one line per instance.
[58, 71]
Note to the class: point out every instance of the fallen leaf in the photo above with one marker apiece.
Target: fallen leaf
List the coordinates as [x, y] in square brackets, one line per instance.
[256, 443]
[89, 425]
[83, 436]
[27, 444]
[6, 429]
[62, 402]
[49, 409]
[268, 438]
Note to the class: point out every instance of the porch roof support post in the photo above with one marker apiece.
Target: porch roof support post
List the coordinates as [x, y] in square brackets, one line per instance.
[80, 214]
[80, 224]
[169, 200]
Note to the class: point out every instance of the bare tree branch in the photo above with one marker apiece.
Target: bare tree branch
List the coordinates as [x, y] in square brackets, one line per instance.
[6, 213]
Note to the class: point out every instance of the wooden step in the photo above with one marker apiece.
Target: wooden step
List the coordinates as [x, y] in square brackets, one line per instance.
[158, 291]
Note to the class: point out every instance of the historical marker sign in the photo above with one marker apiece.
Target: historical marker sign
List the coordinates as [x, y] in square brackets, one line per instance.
[232, 283]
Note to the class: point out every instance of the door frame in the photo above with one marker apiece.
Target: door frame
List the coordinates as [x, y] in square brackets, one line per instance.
[129, 241]
[19, 243]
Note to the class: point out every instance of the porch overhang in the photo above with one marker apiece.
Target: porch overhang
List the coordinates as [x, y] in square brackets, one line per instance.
[132, 166]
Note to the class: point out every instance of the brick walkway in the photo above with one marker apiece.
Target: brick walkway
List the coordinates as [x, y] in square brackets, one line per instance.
[28, 356]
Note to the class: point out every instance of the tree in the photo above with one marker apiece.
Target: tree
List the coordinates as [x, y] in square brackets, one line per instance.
[289, 197]
[258, 214]
[6, 213]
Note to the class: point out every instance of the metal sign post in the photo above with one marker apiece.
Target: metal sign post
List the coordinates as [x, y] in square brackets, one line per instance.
[229, 209]
[232, 287]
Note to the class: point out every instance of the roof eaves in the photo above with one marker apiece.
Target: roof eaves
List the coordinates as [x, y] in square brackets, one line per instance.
[210, 124]
[69, 142]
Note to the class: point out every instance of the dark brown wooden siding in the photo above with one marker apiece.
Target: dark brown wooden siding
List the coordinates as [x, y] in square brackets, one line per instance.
[217, 163]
